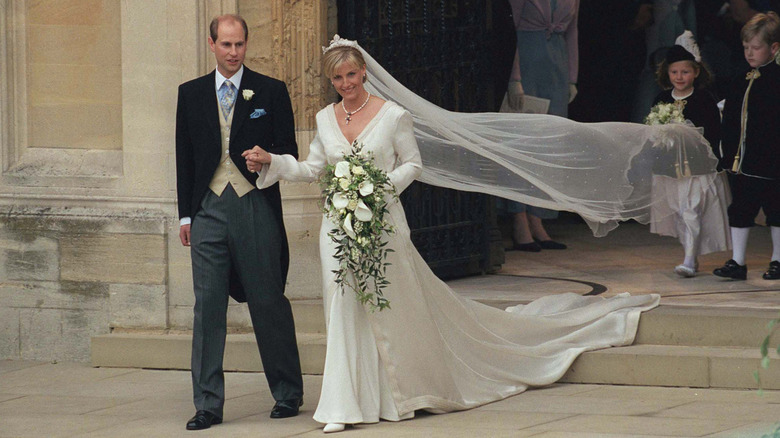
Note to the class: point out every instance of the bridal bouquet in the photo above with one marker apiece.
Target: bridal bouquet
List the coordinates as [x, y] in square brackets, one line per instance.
[353, 192]
[665, 113]
[676, 155]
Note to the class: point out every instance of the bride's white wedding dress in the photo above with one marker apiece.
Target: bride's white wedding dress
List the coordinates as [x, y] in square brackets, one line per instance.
[433, 349]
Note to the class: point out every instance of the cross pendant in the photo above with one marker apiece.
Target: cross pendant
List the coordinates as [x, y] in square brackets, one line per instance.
[348, 119]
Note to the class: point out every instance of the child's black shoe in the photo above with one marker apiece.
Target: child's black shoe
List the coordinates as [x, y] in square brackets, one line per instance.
[774, 271]
[732, 270]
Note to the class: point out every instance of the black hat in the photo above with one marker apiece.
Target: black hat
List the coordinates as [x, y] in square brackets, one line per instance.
[684, 49]
[678, 53]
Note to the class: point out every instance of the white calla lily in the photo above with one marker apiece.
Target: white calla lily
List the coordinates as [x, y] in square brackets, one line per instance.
[362, 212]
[342, 169]
[348, 226]
[366, 188]
[339, 201]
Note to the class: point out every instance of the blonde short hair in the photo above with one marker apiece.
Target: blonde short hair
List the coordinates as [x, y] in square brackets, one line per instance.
[335, 57]
[766, 26]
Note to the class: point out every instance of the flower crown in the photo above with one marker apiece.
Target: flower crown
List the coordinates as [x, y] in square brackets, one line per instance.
[337, 41]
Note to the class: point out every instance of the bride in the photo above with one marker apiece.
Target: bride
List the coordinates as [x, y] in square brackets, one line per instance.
[434, 350]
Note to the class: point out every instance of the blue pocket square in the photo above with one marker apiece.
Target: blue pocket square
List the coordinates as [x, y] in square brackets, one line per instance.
[258, 112]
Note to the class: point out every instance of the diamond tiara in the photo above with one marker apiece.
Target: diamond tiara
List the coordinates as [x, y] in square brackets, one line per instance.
[337, 41]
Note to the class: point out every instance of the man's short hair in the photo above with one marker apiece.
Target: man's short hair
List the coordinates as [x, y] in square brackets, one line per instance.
[214, 26]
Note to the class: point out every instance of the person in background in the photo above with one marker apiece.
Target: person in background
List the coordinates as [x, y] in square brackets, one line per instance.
[670, 19]
[600, 51]
[750, 147]
[545, 66]
[691, 208]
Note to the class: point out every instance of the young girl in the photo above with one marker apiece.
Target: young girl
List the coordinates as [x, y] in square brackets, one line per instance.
[691, 208]
[750, 147]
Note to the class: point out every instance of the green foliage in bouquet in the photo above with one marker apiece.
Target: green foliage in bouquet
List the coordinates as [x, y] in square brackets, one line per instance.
[665, 113]
[355, 194]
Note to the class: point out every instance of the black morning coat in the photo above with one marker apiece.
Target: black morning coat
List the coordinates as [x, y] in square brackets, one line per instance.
[199, 149]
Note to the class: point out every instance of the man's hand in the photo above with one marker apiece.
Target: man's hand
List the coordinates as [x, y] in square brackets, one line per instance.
[515, 95]
[255, 158]
[184, 234]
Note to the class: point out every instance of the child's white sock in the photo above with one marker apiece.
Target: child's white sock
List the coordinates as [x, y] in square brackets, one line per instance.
[690, 261]
[775, 243]
[739, 238]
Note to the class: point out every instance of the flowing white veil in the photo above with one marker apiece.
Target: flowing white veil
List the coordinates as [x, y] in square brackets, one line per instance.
[602, 171]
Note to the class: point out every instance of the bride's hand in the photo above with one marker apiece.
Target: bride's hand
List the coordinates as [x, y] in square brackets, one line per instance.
[255, 158]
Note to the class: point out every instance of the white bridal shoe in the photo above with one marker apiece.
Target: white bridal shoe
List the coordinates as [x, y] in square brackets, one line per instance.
[333, 427]
[684, 271]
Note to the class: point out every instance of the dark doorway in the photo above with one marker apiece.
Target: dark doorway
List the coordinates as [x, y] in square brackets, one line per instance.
[446, 51]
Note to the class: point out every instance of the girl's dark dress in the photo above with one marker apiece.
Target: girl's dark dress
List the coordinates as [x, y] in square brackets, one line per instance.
[693, 209]
[702, 110]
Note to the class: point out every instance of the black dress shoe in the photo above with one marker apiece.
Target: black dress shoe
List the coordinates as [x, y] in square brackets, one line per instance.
[286, 408]
[550, 244]
[732, 270]
[203, 420]
[774, 271]
[528, 247]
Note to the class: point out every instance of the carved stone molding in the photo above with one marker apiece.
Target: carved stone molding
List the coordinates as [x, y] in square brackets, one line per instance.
[286, 39]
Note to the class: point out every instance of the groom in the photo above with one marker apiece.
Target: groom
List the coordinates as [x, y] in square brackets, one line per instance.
[238, 241]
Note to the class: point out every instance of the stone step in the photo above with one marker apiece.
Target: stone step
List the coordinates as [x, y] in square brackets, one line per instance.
[645, 365]
[664, 325]
[698, 326]
[672, 365]
[675, 346]
[309, 316]
[705, 326]
[172, 351]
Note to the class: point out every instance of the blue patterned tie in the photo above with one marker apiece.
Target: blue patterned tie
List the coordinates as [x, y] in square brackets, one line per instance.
[227, 97]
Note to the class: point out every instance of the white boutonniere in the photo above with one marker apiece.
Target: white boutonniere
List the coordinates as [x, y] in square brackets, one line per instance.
[248, 94]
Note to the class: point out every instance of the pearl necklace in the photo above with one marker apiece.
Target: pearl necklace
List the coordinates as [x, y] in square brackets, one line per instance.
[351, 113]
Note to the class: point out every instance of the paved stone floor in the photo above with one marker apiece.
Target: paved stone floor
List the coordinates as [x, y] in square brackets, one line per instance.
[76, 400]
[629, 259]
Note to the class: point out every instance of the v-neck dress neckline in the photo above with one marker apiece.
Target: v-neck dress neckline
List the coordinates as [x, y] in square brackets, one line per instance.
[366, 129]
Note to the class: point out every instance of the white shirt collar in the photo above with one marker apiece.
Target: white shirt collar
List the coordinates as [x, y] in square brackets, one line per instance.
[682, 97]
[235, 79]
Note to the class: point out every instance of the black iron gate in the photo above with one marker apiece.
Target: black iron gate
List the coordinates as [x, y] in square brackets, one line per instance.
[444, 51]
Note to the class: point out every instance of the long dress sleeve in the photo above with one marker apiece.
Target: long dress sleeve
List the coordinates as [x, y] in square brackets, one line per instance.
[408, 155]
[288, 168]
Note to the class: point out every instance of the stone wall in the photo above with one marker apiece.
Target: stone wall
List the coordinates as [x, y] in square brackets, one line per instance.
[69, 274]
[88, 223]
